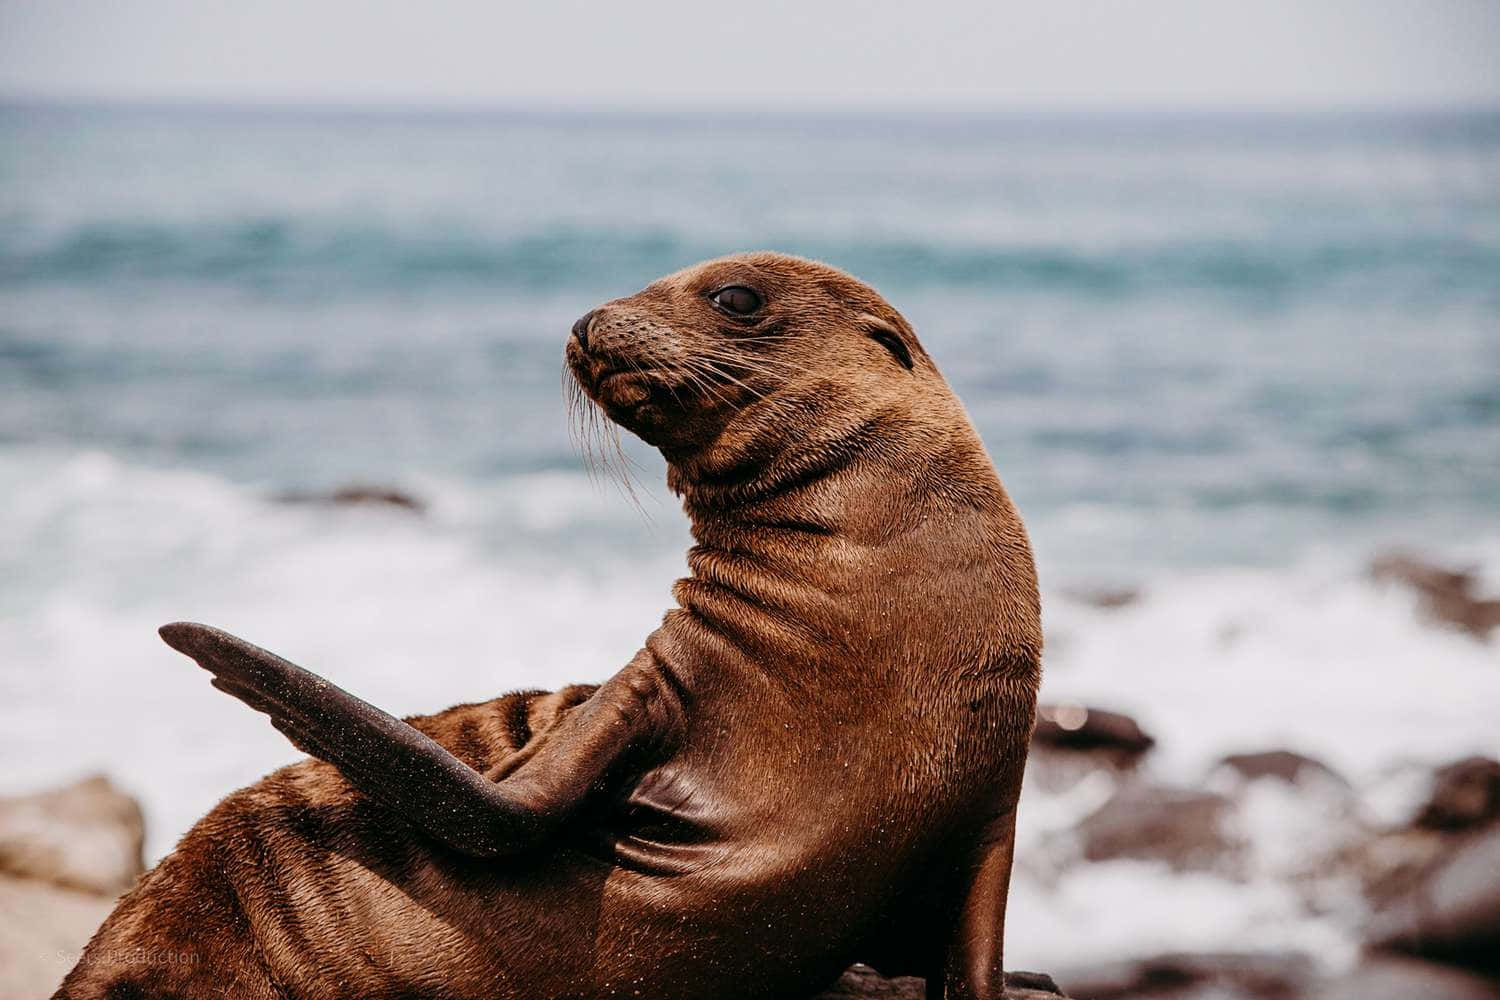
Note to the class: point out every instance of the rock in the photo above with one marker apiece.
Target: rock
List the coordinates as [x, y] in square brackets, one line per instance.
[43, 929]
[1073, 741]
[1385, 977]
[1299, 822]
[1220, 976]
[1465, 795]
[1103, 597]
[1451, 912]
[64, 857]
[357, 495]
[1212, 976]
[1183, 827]
[1389, 864]
[1398, 865]
[86, 836]
[1447, 594]
[1078, 727]
[1285, 765]
[863, 983]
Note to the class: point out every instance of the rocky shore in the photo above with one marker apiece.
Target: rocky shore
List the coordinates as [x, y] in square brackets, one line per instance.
[1427, 890]
[1413, 892]
[65, 855]
[1415, 895]
[1432, 884]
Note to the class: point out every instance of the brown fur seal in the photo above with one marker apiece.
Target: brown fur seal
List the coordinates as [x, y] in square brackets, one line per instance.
[814, 761]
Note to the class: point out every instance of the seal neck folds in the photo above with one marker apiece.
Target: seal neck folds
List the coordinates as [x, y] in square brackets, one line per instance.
[840, 500]
[807, 508]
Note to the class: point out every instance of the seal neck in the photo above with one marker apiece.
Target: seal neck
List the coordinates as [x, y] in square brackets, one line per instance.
[780, 452]
[863, 474]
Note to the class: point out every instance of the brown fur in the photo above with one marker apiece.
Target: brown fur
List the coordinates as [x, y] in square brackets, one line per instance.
[856, 652]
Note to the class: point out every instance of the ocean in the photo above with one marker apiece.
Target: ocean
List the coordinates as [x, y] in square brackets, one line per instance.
[1222, 360]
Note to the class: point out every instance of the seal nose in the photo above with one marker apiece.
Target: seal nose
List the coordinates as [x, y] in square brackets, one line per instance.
[581, 329]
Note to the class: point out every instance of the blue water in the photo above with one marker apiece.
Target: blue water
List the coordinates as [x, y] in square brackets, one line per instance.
[1225, 358]
[1191, 339]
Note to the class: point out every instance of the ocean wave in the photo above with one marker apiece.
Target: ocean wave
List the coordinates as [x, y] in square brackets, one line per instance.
[298, 255]
[420, 612]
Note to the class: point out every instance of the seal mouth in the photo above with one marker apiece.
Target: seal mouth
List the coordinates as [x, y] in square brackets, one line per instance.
[657, 399]
[624, 389]
[620, 382]
[621, 386]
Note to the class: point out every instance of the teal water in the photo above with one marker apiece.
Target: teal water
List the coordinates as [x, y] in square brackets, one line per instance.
[1259, 332]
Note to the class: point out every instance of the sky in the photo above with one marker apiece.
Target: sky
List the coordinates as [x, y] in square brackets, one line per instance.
[967, 54]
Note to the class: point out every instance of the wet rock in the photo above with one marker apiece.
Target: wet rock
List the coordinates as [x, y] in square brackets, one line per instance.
[1389, 864]
[357, 496]
[1386, 977]
[43, 929]
[86, 836]
[1395, 866]
[1079, 727]
[1205, 976]
[1447, 594]
[1183, 827]
[1451, 912]
[1104, 597]
[863, 983]
[1465, 795]
[1073, 741]
[1285, 765]
[1298, 820]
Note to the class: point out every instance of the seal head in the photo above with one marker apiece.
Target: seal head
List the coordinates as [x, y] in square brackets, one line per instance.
[726, 360]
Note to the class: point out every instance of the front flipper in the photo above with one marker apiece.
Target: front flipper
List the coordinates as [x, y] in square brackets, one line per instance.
[973, 966]
[414, 776]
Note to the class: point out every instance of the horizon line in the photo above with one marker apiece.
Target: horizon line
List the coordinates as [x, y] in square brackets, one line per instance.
[585, 107]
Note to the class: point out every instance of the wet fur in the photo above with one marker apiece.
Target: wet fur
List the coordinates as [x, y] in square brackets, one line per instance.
[857, 651]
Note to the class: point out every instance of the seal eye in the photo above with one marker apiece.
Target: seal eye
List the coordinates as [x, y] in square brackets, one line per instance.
[737, 299]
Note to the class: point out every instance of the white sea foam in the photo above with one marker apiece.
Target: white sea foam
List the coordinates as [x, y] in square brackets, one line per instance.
[1316, 658]
[416, 613]
[408, 612]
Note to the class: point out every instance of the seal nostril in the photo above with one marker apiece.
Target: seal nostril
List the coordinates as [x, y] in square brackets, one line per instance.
[581, 329]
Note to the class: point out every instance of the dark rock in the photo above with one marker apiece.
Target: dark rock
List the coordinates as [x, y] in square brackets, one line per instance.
[1107, 598]
[1386, 977]
[1183, 827]
[1221, 976]
[1293, 768]
[1447, 594]
[863, 983]
[1079, 727]
[1465, 795]
[1396, 866]
[1389, 864]
[1072, 742]
[1452, 912]
[1301, 822]
[85, 836]
[1036, 982]
[357, 495]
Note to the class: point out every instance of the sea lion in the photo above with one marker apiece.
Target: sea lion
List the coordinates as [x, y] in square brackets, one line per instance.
[813, 761]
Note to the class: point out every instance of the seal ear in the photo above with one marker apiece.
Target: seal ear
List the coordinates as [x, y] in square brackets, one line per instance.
[885, 333]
